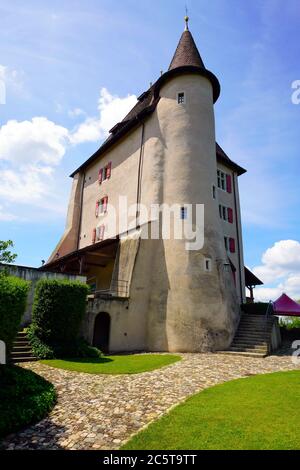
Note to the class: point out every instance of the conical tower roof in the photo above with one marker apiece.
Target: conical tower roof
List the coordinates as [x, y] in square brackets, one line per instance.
[186, 53]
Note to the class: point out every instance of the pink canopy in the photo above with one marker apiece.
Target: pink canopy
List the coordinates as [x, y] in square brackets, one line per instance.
[286, 306]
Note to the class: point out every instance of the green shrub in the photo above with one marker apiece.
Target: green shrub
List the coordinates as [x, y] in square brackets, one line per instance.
[39, 349]
[290, 323]
[13, 297]
[25, 398]
[85, 350]
[58, 311]
[257, 308]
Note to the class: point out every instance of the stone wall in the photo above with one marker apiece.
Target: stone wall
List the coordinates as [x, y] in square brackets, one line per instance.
[33, 275]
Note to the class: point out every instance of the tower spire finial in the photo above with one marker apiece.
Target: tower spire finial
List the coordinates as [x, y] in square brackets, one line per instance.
[186, 19]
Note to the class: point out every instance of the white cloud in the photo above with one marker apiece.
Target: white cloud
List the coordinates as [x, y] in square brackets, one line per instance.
[13, 80]
[31, 152]
[73, 113]
[280, 269]
[38, 141]
[112, 109]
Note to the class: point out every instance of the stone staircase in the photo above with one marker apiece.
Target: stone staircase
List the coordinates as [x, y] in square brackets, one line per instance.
[253, 336]
[21, 351]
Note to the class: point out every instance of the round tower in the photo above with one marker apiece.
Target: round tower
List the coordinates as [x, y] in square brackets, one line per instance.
[197, 301]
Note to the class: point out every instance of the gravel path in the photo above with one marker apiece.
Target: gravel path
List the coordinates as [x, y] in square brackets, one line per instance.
[102, 411]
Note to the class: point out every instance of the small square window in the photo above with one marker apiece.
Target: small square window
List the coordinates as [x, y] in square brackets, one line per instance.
[181, 98]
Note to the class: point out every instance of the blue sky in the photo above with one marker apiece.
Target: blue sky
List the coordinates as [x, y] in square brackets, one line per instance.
[59, 58]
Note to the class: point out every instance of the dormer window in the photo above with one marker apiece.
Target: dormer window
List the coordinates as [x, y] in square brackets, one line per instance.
[181, 97]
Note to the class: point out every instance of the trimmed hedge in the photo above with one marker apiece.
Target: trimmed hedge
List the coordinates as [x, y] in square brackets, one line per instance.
[258, 308]
[58, 310]
[25, 398]
[13, 297]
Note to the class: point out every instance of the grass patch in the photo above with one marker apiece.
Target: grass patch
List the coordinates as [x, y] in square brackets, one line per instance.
[25, 398]
[124, 364]
[255, 413]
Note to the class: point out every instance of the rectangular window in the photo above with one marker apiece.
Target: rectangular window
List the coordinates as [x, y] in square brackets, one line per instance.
[207, 265]
[100, 177]
[221, 180]
[226, 241]
[100, 232]
[214, 192]
[183, 213]
[105, 173]
[181, 98]
[224, 181]
[226, 213]
[101, 206]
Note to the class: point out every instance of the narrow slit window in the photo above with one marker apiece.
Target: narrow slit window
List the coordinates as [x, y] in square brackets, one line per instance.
[207, 265]
[183, 213]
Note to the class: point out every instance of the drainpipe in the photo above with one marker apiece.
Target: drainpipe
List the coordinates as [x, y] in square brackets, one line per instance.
[80, 213]
[238, 236]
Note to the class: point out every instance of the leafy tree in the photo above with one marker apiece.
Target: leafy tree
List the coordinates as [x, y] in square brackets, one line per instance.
[6, 256]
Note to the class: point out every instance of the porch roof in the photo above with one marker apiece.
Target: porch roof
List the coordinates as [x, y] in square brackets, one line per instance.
[98, 254]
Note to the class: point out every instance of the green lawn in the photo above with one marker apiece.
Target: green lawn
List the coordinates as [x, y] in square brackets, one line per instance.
[125, 364]
[260, 412]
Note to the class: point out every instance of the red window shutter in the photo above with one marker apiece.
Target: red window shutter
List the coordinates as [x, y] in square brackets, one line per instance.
[232, 245]
[229, 183]
[100, 178]
[108, 170]
[105, 202]
[230, 215]
[97, 209]
[94, 235]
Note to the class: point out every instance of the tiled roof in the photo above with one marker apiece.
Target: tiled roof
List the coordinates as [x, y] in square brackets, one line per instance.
[186, 53]
[186, 60]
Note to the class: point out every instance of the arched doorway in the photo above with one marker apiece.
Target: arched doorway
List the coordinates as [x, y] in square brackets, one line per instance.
[102, 331]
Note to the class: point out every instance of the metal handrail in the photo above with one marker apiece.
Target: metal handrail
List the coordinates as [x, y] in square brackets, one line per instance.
[269, 310]
[118, 287]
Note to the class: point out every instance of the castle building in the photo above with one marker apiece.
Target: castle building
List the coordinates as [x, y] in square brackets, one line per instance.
[152, 293]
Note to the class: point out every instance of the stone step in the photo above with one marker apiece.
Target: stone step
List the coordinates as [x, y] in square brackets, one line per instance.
[18, 359]
[21, 343]
[251, 339]
[240, 344]
[245, 347]
[21, 354]
[242, 335]
[262, 331]
[21, 348]
[249, 349]
[245, 354]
